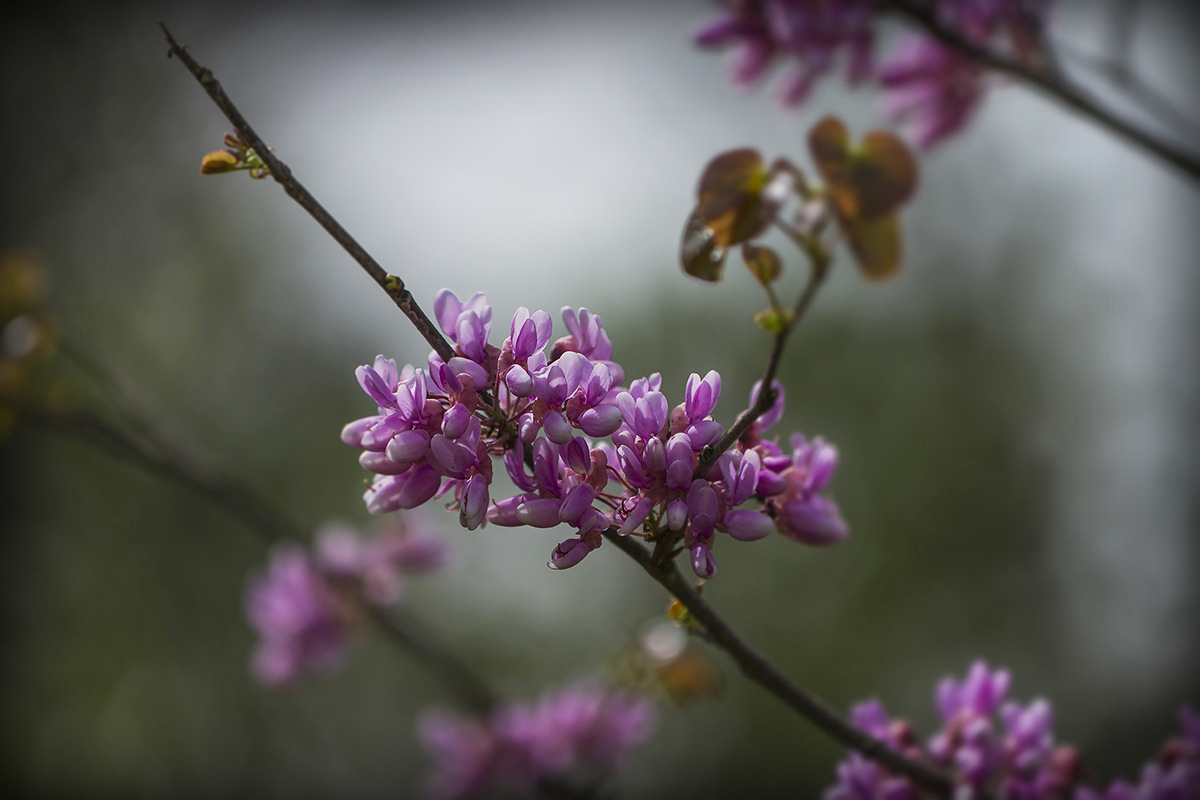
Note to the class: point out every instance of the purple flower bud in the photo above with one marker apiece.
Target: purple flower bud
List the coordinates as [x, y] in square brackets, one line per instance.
[677, 514]
[704, 432]
[530, 334]
[378, 435]
[454, 422]
[539, 513]
[504, 513]
[747, 525]
[568, 554]
[680, 461]
[775, 411]
[352, 433]
[600, 421]
[703, 505]
[474, 504]
[631, 465]
[408, 446]
[528, 428]
[447, 307]
[471, 333]
[637, 516]
[814, 521]
[545, 466]
[381, 464]
[557, 428]
[577, 455]
[376, 386]
[654, 456]
[769, 484]
[576, 501]
[409, 490]
[518, 381]
[550, 384]
[585, 329]
[646, 415]
[702, 562]
[451, 458]
[476, 371]
[702, 395]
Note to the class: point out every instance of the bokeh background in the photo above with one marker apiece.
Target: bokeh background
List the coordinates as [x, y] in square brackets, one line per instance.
[1017, 412]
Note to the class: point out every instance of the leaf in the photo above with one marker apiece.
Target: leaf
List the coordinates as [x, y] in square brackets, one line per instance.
[699, 252]
[731, 199]
[885, 174]
[764, 263]
[872, 180]
[876, 245]
[867, 185]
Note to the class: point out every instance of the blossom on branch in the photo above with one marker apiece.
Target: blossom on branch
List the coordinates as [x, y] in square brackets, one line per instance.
[582, 449]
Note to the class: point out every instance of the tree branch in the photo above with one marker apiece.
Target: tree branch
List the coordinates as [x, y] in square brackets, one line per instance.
[758, 669]
[282, 174]
[1051, 81]
[269, 523]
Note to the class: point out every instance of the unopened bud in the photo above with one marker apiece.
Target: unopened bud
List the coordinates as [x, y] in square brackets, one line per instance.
[218, 161]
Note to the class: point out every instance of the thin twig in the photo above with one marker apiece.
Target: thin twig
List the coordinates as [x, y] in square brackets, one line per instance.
[766, 393]
[282, 174]
[761, 671]
[1053, 82]
[265, 520]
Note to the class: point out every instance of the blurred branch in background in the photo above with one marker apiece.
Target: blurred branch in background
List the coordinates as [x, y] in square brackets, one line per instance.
[1048, 77]
[149, 451]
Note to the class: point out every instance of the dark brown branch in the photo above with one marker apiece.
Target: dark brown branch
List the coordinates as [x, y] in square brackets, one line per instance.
[282, 174]
[269, 523]
[759, 670]
[1053, 82]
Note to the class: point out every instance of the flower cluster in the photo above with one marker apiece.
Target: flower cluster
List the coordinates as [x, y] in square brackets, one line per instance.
[930, 87]
[518, 747]
[581, 449]
[1174, 775]
[1003, 750]
[304, 607]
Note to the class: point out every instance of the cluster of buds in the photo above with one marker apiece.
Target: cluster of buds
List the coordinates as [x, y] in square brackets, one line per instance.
[582, 449]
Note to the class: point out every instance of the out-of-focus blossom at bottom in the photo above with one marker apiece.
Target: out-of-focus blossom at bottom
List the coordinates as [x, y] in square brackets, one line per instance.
[1004, 750]
[305, 606]
[579, 731]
